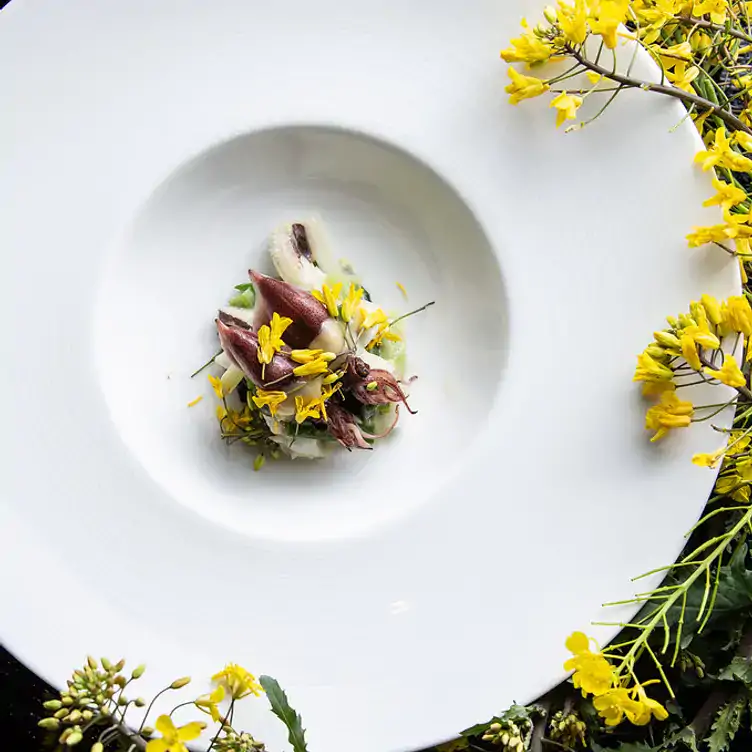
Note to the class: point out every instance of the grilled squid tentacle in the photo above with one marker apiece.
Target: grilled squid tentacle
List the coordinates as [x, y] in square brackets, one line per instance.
[342, 426]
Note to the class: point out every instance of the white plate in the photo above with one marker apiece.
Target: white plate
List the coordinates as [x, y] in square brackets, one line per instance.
[147, 149]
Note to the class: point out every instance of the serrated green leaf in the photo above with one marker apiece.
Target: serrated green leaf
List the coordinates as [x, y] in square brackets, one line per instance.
[479, 728]
[686, 738]
[726, 725]
[739, 669]
[281, 708]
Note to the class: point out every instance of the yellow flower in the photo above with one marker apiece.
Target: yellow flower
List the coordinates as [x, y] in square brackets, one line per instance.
[375, 318]
[739, 442]
[667, 339]
[615, 704]
[527, 48]
[329, 297]
[566, 106]
[702, 336]
[313, 368]
[208, 703]
[727, 196]
[195, 402]
[657, 388]
[712, 308]
[272, 399]
[173, 738]
[402, 289]
[270, 337]
[720, 153]
[744, 139]
[305, 356]
[709, 459]
[729, 373]
[217, 386]
[649, 369]
[649, 707]
[735, 486]
[682, 77]
[383, 333]
[352, 301]
[689, 351]
[674, 54]
[711, 234]
[237, 681]
[670, 413]
[736, 315]
[717, 10]
[573, 21]
[523, 87]
[593, 674]
[606, 19]
[305, 410]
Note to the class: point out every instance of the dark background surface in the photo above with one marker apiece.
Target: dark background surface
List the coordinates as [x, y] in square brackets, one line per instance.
[21, 692]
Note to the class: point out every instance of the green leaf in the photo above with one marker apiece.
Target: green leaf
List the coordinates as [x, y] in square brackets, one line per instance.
[739, 668]
[244, 299]
[245, 286]
[480, 728]
[281, 708]
[726, 725]
[686, 738]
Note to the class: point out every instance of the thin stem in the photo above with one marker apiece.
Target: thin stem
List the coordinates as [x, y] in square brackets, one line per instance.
[671, 91]
[411, 313]
[207, 364]
[703, 24]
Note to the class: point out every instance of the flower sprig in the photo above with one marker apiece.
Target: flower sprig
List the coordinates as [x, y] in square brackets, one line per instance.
[94, 706]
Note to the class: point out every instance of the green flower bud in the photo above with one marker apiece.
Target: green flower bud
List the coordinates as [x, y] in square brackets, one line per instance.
[49, 724]
[120, 681]
[87, 715]
[98, 747]
[495, 728]
[67, 700]
[52, 705]
[139, 702]
[93, 665]
[99, 699]
[549, 13]
[75, 738]
[138, 672]
[120, 665]
[178, 683]
[74, 717]
[62, 713]
[505, 738]
[122, 700]
[147, 731]
[107, 666]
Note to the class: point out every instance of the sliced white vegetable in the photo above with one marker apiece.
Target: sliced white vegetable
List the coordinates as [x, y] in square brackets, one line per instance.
[375, 361]
[310, 449]
[331, 337]
[223, 360]
[230, 379]
[290, 265]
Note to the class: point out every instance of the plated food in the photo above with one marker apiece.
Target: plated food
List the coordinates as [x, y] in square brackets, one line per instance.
[308, 361]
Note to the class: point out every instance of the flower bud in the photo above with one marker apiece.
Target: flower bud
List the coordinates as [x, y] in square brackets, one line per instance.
[106, 665]
[178, 683]
[74, 716]
[67, 700]
[147, 731]
[495, 728]
[92, 663]
[75, 738]
[122, 701]
[549, 13]
[138, 672]
[87, 715]
[120, 665]
[97, 747]
[62, 713]
[139, 702]
[52, 705]
[49, 724]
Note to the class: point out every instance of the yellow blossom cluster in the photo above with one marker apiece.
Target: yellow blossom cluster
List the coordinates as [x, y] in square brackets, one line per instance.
[691, 345]
[595, 675]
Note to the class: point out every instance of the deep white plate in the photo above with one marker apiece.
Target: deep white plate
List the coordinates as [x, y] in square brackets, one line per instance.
[148, 148]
